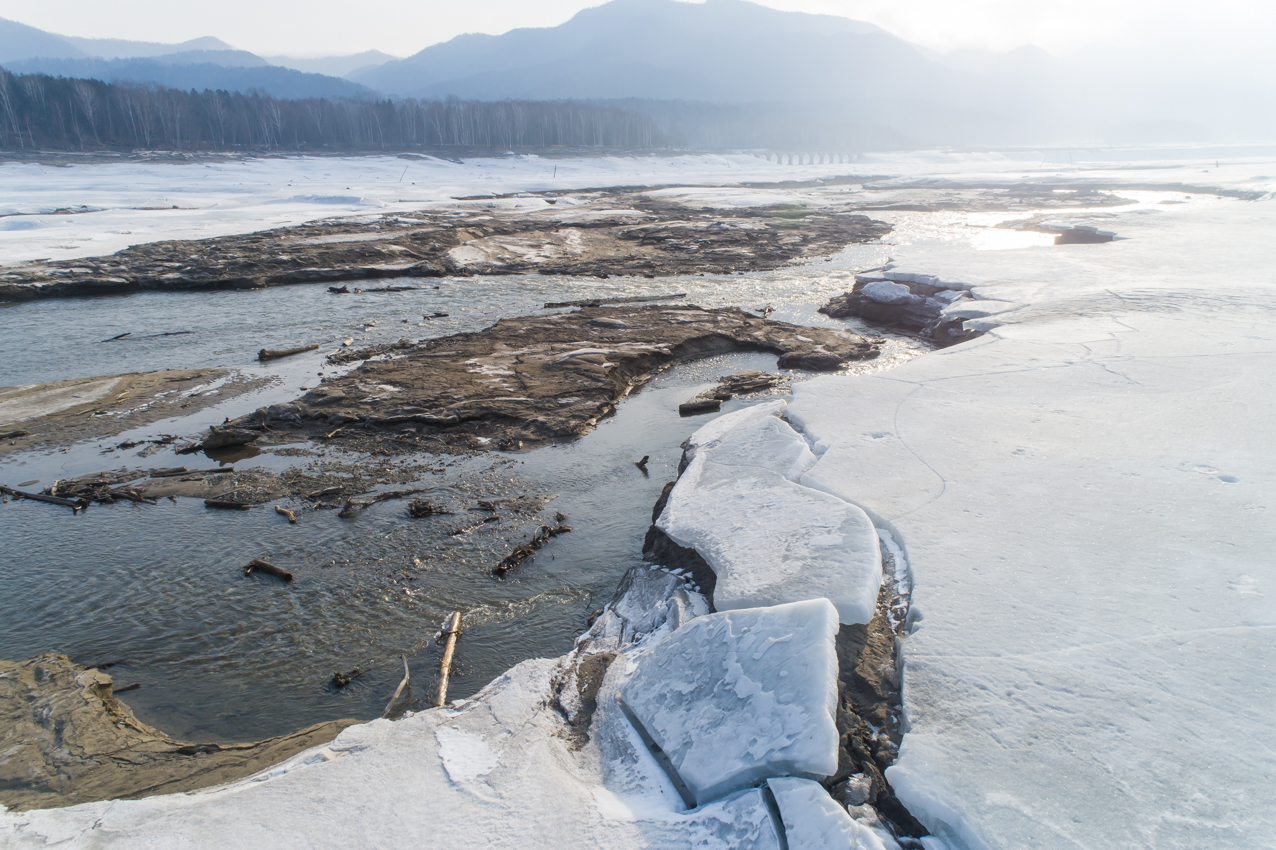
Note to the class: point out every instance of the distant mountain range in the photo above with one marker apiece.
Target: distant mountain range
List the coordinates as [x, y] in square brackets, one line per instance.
[201, 63]
[718, 51]
[734, 74]
[788, 75]
[335, 66]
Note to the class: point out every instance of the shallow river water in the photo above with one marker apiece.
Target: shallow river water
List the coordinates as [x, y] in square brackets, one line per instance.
[157, 591]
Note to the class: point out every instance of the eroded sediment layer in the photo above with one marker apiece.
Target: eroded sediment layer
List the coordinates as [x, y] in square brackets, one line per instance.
[66, 739]
[600, 233]
[527, 381]
[59, 413]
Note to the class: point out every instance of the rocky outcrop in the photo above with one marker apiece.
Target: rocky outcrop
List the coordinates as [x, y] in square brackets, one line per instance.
[65, 739]
[531, 380]
[741, 383]
[906, 305]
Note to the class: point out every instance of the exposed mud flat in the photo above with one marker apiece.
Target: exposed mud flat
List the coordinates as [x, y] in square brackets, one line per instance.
[527, 381]
[67, 739]
[59, 413]
[600, 233]
[327, 482]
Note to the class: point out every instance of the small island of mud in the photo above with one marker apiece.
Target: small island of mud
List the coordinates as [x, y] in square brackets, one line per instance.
[68, 740]
[597, 233]
[60, 413]
[527, 381]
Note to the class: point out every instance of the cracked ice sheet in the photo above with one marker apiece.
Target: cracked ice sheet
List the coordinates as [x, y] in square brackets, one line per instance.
[1086, 499]
[768, 539]
[734, 697]
[496, 772]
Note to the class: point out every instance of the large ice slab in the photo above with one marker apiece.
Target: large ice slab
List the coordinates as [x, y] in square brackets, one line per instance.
[769, 539]
[737, 696]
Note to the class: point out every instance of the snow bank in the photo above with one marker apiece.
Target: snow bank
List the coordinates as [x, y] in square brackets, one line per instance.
[1085, 496]
[769, 539]
[735, 697]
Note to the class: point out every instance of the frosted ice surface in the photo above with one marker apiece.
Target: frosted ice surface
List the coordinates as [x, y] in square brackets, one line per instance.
[890, 293]
[769, 539]
[741, 821]
[1085, 496]
[814, 821]
[737, 696]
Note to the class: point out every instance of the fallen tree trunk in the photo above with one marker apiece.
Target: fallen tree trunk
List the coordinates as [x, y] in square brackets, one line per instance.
[522, 553]
[76, 504]
[130, 495]
[226, 504]
[257, 565]
[276, 353]
[452, 630]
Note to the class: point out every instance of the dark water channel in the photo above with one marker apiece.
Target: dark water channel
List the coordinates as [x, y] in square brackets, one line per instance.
[159, 591]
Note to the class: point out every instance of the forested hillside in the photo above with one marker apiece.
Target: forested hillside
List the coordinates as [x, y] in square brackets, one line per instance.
[39, 112]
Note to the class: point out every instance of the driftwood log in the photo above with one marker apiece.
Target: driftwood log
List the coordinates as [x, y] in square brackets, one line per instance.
[226, 504]
[522, 553]
[257, 565]
[340, 680]
[276, 353]
[399, 690]
[452, 631]
[282, 511]
[75, 504]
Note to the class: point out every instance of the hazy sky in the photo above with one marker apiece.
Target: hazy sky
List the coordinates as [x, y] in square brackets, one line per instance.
[402, 27]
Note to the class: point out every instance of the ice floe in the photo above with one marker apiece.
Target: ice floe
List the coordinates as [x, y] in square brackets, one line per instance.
[768, 538]
[737, 696]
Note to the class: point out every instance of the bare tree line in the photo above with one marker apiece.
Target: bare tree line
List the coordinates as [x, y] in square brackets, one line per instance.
[40, 112]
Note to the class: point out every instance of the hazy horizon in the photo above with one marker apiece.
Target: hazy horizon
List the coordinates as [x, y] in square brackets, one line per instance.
[1234, 33]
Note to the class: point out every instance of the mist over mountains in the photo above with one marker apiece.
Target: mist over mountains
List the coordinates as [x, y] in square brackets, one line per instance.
[200, 63]
[792, 77]
[733, 74]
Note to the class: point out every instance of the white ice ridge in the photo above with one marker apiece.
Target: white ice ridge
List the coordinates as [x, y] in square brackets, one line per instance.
[1086, 496]
[768, 538]
[734, 697]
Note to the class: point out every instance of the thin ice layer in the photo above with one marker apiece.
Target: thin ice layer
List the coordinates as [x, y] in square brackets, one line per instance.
[814, 821]
[737, 696]
[769, 539]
